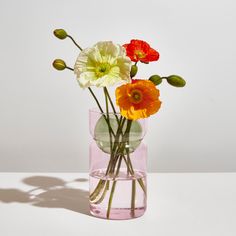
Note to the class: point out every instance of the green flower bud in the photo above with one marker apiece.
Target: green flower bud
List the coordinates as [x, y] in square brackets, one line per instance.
[134, 70]
[60, 33]
[176, 81]
[156, 79]
[59, 64]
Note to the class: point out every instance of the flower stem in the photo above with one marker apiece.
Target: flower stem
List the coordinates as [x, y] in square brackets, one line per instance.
[101, 110]
[113, 188]
[97, 190]
[110, 199]
[112, 105]
[111, 164]
[98, 104]
[108, 118]
[133, 197]
[96, 100]
[76, 44]
[125, 136]
[104, 193]
[140, 181]
[115, 148]
[69, 68]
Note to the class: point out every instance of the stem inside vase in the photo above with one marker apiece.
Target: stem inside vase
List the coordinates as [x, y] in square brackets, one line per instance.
[119, 170]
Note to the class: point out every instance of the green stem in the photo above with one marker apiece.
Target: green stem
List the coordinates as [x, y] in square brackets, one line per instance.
[111, 163]
[101, 110]
[126, 135]
[69, 68]
[116, 145]
[96, 100]
[120, 145]
[76, 44]
[110, 199]
[98, 104]
[91, 91]
[113, 189]
[97, 190]
[110, 100]
[108, 119]
[133, 197]
[140, 181]
[112, 105]
[104, 193]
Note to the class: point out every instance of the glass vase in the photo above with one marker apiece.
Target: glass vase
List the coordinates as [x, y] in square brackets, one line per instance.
[118, 162]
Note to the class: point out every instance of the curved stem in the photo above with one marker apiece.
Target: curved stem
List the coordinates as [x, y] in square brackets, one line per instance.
[99, 106]
[97, 190]
[104, 193]
[95, 98]
[76, 44]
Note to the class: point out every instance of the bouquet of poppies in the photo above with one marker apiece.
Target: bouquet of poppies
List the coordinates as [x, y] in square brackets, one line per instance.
[107, 64]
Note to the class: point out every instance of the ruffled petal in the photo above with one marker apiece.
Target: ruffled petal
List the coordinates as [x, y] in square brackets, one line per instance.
[149, 102]
[102, 65]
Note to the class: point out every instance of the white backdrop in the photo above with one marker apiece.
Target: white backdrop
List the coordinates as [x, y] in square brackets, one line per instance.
[44, 113]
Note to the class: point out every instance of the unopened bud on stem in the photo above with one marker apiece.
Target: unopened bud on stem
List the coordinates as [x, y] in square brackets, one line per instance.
[60, 33]
[176, 81]
[59, 64]
[134, 70]
[156, 79]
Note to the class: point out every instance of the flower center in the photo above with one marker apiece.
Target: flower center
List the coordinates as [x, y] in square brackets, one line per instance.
[140, 54]
[102, 69]
[136, 96]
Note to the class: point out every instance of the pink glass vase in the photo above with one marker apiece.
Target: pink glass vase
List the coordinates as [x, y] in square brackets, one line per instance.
[118, 161]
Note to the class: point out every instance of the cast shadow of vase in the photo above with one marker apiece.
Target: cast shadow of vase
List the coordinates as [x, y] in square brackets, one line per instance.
[50, 192]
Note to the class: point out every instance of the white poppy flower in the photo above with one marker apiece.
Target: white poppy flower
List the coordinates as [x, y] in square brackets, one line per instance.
[102, 65]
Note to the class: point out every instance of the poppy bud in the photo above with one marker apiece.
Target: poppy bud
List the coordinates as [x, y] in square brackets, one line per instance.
[59, 64]
[134, 70]
[156, 79]
[176, 81]
[60, 33]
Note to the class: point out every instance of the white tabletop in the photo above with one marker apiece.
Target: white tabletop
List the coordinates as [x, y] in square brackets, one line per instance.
[178, 205]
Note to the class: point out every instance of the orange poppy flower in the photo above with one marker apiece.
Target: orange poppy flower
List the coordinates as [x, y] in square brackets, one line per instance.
[138, 50]
[138, 99]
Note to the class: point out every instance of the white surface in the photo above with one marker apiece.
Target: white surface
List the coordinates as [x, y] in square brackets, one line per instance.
[44, 113]
[178, 204]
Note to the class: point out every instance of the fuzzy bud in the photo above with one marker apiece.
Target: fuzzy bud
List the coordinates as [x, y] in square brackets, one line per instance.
[134, 70]
[156, 79]
[176, 81]
[59, 64]
[60, 33]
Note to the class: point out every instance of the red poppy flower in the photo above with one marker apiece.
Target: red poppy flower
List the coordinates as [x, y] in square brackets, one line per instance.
[138, 50]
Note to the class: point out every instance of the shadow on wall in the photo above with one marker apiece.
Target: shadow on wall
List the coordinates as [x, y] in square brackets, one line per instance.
[49, 192]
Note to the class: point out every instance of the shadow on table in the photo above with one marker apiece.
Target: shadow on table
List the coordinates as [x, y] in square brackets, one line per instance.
[50, 192]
